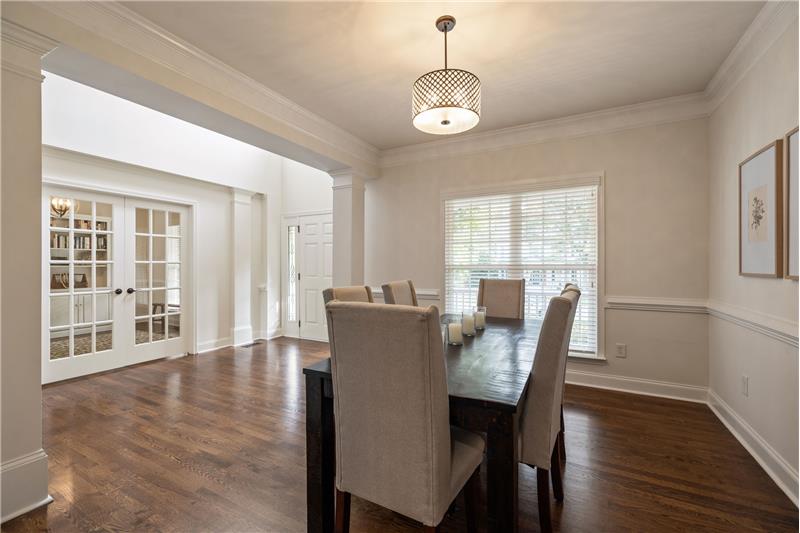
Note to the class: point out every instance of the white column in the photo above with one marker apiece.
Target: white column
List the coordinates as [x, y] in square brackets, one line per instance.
[348, 228]
[241, 268]
[24, 463]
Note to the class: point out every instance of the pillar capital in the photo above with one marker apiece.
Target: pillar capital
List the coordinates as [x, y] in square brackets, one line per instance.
[347, 179]
[23, 49]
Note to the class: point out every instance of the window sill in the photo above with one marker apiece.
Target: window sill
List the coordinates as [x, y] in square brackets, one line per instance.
[577, 357]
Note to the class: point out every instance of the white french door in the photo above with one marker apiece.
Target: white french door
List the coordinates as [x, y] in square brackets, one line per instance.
[308, 257]
[114, 282]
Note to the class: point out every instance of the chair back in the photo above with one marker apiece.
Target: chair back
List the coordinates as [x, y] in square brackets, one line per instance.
[540, 421]
[390, 406]
[400, 292]
[348, 294]
[503, 298]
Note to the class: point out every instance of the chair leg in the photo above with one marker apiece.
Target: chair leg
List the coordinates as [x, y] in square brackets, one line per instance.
[472, 497]
[342, 523]
[543, 491]
[555, 475]
[562, 445]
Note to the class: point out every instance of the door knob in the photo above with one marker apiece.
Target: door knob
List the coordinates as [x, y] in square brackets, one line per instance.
[131, 290]
[118, 291]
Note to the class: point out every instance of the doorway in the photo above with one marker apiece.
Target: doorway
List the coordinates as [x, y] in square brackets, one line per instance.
[116, 282]
[308, 259]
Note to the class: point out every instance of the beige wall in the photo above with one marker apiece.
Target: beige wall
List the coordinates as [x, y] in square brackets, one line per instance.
[762, 108]
[656, 227]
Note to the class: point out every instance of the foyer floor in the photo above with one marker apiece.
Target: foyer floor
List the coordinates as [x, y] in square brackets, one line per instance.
[216, 442]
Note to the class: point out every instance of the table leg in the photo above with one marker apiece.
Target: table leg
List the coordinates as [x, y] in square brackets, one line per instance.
[501, 452]
[320, 457]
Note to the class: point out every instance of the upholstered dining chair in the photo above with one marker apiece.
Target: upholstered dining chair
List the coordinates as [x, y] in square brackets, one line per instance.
[562, 444]
[503, 298]
[539, 424]
[348, 294]
[400, 292]
[394, 443]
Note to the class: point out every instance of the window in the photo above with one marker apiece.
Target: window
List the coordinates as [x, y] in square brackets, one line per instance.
[548, 237]
[291, 298]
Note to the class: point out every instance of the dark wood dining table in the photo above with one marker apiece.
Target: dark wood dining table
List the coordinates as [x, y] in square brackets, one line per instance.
[486, 379]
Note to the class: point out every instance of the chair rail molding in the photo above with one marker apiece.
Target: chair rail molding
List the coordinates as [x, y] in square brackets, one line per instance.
[431, 295]
[667, 305]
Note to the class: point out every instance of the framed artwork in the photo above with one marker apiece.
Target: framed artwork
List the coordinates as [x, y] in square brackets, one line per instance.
[761, 213]
[791, 269]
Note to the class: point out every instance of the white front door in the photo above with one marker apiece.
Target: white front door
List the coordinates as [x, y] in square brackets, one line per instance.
[97, 271]
[309, 262]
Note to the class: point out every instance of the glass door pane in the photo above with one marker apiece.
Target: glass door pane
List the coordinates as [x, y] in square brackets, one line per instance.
[80, 276]
[157, 272]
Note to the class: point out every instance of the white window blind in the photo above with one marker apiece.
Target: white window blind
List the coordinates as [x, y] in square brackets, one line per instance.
[548, 237]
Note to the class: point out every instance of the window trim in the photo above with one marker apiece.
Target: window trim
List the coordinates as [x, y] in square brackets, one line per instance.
[538, 184]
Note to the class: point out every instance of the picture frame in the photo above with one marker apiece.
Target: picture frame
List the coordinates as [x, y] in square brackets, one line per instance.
[791, 259]
[761, 209]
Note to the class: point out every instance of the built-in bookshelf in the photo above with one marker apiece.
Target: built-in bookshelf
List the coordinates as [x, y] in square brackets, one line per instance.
[81, 242]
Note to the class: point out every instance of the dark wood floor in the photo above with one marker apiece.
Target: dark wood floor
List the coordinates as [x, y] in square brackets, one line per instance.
[216, 442]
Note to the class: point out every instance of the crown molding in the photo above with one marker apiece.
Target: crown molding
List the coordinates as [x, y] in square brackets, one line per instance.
[119, 24]
[31, 41]
[673, 109]
[770, 23]
[115, 22]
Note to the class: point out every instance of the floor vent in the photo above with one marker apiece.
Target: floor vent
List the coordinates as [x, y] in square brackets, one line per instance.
[251, 344]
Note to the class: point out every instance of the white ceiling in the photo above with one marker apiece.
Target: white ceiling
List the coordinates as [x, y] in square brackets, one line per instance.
[354, 63]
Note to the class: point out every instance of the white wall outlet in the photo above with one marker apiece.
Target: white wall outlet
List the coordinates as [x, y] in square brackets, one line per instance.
[622, 350]
[745, 386]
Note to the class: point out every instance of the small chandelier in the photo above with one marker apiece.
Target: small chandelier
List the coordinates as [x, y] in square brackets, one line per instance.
[60, 206]
[449, 100]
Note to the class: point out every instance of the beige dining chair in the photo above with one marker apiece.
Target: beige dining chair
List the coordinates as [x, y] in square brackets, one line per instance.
[400, 292]
[394, 443]
[348, 294]
[562, 443]
[503, 298]
[539, 424]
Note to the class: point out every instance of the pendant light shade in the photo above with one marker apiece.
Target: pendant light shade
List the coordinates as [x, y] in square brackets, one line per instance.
[446, 101]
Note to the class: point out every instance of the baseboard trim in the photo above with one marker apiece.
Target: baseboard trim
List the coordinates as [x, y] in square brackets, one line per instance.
[24, 484]
[208, 346]
[27, 509]
[781, 472]
[646, 387]
[773, 464]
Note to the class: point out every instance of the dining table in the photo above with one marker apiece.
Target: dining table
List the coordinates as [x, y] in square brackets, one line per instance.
[487, 378]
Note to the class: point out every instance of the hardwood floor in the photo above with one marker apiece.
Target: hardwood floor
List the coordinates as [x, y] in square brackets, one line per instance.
[216, 442]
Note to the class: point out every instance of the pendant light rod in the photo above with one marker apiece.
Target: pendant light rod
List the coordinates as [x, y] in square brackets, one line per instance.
[445, 24]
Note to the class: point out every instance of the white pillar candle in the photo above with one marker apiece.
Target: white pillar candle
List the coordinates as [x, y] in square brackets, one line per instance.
[454, 334]
[480, 319]
[468, 324]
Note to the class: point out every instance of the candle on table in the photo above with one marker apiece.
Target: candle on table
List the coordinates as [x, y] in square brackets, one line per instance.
[468, 324]
[454, 334]
[480, 317]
